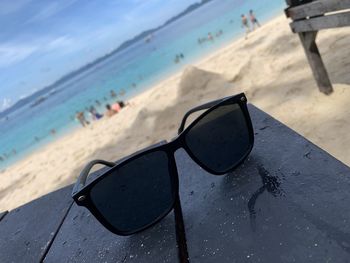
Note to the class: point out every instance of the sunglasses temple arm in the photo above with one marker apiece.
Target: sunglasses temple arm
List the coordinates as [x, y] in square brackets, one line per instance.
[198, 108]
[85, 173]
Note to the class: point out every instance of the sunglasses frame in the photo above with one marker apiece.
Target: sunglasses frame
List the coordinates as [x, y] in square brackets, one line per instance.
[81, 190]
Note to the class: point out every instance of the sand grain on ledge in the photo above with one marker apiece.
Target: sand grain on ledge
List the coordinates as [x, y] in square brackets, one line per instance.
[270, 67]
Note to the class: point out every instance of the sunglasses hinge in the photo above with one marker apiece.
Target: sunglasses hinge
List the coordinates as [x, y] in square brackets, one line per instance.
[81, 198]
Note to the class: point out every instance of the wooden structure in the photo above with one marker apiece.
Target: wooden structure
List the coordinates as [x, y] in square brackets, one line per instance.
[288, 202]
[310, 16]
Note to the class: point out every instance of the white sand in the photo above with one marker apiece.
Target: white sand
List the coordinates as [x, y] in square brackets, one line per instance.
[270, 67]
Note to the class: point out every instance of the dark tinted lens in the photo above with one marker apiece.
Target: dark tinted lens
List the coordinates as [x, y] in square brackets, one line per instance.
[135, 194]
[220, 139]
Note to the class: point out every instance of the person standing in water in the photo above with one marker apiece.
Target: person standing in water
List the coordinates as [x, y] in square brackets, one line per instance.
[94, 114]
[253, 20]
[112, 94]
[245, 25]
[81, 118]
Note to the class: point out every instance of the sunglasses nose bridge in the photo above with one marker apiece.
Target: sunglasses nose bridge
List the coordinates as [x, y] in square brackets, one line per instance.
[176, 143]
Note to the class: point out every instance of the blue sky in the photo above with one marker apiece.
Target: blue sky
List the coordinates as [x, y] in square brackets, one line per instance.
[41, 40]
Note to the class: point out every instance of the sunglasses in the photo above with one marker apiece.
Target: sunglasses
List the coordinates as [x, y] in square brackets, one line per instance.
[140, 190]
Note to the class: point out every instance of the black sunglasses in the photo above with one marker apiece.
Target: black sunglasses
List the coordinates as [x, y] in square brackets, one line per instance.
[140, 190]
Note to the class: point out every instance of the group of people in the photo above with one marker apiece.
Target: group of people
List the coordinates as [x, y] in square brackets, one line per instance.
[112, 94]
[114, 108]
[249, 22]
[95, 115]
[81, 118]
[253, 21]
[209, 37]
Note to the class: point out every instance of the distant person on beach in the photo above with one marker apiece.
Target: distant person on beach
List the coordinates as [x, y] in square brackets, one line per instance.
[110, 112]
[94, 114]
[98, 103]
[53, 131]
[116, 107]
[245, 25]
[80, 116]
[113, 94]
[122, 104]
[253, 19]
[210, 37]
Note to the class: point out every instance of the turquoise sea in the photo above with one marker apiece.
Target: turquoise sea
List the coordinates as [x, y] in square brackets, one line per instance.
[128, 73]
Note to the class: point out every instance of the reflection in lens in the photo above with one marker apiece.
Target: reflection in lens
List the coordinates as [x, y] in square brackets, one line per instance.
[135, 194]
[220, 139]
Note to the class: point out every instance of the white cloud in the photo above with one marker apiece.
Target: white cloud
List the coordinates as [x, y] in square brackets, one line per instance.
[62, 43]
[50, 9]
[10, 54]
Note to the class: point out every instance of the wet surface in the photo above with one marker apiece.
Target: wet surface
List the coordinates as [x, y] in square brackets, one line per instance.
[287, 203]
[28, 231]
[83, 239]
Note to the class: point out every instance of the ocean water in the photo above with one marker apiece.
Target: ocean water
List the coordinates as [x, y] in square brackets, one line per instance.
[128, 73]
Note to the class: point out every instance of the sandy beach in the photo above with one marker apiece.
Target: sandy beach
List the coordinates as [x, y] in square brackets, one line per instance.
[270, 67]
